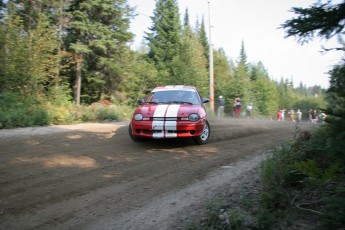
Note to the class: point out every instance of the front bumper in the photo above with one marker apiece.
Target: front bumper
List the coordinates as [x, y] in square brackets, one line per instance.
[167, 129]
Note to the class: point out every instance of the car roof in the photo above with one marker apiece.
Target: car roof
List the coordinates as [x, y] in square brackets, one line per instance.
[174, 87]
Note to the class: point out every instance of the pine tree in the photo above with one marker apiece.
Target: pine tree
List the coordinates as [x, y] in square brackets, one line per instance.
[141, 77]
[186, 19]
[287, 94]
[189, 65]
[222, 75]
[204, 41]
[322, 19]
[164, 38]
[27, 51]
[2, 6]
[241, 82]
[264, 92]
[97, 36]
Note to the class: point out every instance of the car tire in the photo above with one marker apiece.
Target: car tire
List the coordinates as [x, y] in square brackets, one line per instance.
[205, 135]
[134, 138]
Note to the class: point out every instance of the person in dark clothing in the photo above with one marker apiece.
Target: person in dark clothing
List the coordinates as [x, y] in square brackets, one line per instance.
[220, 110]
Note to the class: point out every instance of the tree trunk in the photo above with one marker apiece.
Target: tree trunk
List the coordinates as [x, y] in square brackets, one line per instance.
[77, 86]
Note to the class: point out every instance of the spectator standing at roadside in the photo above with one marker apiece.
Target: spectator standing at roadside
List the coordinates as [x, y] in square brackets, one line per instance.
[220, 110]
[322, 117]
[282, 114]
[279, 116]
[238, 106]
[292, 115]
[314, 117]
[299, 115]
[310, 115]
[249, 110]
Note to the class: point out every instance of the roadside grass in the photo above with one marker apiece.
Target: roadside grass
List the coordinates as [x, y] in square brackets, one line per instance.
[302, 185]
[27, 114]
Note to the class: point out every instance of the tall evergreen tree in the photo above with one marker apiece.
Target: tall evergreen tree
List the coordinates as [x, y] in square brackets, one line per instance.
[257, 71]
[97, 35]
[164, 37]
[204, 41]
[287, 94]
[141, 77]
[2, 7]
[264, 92]
[302, 89]
[27, 52]
[322, 19]
[222, 75]
[186, 19]
[241, 85]
[189, 65]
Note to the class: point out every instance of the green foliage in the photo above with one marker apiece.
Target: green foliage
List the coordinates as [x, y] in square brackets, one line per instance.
[59, 115]
[305, 178]
[141, 77]
[212, 220]
[264, 92]
[189, 65]
[314, 174]
[97, 37]
[236, 220]
[240, 85]
[323, 19]
[336, 108]
[16, 111]
[164, 38]
[273, 175]
[14, 72]
[48, 47]
[203, 40]
[222, 75]
[98, 113]
[307, 166]
[287, 94]
[309, 102]
[334, 209]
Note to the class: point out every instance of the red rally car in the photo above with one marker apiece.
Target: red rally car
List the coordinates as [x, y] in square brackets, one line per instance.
[171, 112]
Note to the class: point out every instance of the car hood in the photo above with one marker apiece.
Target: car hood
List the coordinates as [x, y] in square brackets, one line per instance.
[169, 110]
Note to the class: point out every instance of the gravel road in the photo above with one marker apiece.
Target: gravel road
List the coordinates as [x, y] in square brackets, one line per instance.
[93, 176]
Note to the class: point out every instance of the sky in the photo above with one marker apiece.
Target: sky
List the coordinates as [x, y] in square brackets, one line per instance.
[256, 24]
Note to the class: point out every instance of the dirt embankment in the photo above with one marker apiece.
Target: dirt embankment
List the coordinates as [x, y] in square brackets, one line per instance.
[93, 176]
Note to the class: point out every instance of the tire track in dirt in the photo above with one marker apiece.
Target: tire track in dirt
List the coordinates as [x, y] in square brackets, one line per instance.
[92, 176]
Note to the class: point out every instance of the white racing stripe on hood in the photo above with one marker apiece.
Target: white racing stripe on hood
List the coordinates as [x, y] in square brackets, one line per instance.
[171, 125]
[159, 125]
[165, 111]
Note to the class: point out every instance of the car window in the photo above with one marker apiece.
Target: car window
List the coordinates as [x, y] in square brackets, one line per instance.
[174, 96]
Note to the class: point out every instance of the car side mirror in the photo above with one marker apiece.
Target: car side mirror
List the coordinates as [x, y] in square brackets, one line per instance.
[205, 100]
[141, 101]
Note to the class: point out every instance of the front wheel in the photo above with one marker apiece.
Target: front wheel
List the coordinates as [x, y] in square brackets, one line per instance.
[205, 135]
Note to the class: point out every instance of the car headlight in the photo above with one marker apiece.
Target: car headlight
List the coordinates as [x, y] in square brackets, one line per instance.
[193, 117]
[138, 117]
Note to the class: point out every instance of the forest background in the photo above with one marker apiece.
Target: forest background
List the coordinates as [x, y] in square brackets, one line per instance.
[66, 61]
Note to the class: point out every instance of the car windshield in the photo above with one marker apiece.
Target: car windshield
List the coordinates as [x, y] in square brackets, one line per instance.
[174, 97]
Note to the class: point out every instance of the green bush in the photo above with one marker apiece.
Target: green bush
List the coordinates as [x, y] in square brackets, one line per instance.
[211, 220]
[16, 111]
[236, 219]
[305, 177]
[334, 212]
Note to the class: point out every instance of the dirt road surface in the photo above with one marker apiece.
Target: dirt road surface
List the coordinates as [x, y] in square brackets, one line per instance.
[93, 176]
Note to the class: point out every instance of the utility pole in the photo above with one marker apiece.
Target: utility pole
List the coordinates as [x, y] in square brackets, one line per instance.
[211, 62]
